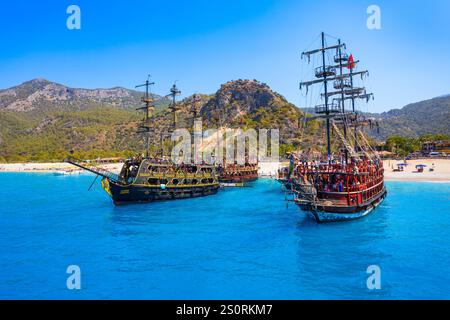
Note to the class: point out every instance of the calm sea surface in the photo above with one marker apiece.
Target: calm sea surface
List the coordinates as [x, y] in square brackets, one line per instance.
[239, 244]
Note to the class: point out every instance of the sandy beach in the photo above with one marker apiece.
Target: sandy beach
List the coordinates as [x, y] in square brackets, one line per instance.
[441, 171]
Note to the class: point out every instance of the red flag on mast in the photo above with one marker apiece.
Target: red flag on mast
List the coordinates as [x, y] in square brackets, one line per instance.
[351, 62]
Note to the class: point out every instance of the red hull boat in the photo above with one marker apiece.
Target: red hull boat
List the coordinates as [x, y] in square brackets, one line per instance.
[348, 182]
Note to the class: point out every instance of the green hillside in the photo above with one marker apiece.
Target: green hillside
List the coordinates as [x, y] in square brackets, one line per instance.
[47, 126]
[416, 119]
[44, 121]
[96, 132]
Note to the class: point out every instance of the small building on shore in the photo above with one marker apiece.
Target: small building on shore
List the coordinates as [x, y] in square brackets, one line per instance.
[440, 146]
[110, 160]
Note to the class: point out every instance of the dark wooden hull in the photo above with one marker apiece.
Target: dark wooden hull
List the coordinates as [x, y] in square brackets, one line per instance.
[238, 173]
[122, 194]
[334, 213]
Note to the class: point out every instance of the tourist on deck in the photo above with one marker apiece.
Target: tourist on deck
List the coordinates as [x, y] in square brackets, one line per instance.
[340, 186]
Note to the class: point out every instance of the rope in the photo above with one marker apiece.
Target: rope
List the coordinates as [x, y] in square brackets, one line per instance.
[368, 145]
[347, 145]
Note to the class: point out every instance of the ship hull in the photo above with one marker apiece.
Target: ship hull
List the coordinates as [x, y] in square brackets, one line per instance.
[238, 173]
[341, 213]
[126, 194]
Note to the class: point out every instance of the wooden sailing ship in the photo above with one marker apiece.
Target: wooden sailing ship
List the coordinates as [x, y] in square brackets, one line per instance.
[235, 174]
[347, 184]
[150, 178]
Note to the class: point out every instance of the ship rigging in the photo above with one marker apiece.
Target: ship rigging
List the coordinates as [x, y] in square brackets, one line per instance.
[350, 182]
[147, 177]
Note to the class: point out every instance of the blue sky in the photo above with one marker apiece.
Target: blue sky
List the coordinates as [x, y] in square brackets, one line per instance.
[202, 44]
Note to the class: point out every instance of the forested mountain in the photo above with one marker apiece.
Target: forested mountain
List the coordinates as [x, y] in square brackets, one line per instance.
[42, 120]
[416, 119]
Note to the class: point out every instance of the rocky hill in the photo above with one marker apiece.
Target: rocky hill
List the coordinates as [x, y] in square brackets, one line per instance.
[42, 120]
[243, 104]
[40, 95]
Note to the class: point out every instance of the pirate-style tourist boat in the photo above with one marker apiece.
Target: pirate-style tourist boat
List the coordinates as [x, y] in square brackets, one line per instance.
[153, 177]
[238, 173]
[235, 174]
[349, 183]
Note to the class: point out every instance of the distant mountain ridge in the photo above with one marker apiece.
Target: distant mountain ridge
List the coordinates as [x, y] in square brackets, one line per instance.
[43, 95]
[425, 117]
[430, 116]
[41, 120]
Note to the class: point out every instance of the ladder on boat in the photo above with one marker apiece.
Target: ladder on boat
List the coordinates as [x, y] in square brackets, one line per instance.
[96, 170]
[307, 192]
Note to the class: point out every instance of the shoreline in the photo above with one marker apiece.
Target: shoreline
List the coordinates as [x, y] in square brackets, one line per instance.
[51, 167]
[82, 172]
[417, 180]
[441, 173]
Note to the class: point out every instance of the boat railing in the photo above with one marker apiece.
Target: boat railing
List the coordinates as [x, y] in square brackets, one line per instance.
[354, 91]
[343, 57]
[328, 71]
[342, 83]
[331, 108]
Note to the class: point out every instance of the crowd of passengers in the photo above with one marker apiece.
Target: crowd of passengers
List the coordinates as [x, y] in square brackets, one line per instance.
[361, 173]
[354, 167]
[338, 182]
[132, 165]
[186, 168]
[236, 168]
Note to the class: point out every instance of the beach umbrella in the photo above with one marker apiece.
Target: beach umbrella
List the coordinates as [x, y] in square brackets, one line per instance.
[402, 164]
[420, 166]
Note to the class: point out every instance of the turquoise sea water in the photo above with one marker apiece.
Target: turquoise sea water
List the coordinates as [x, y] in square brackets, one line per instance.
[239, 244]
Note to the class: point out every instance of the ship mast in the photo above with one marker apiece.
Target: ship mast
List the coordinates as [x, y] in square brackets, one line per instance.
[195, 110]
[353, 108]
[220, 133]
[341, 84]
[174, 92]
[324, 74]
[344, 83]
[196, 130]
[149, 108]
[327, 111]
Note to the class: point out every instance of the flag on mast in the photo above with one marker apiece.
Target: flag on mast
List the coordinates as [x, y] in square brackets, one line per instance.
[351, 62]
